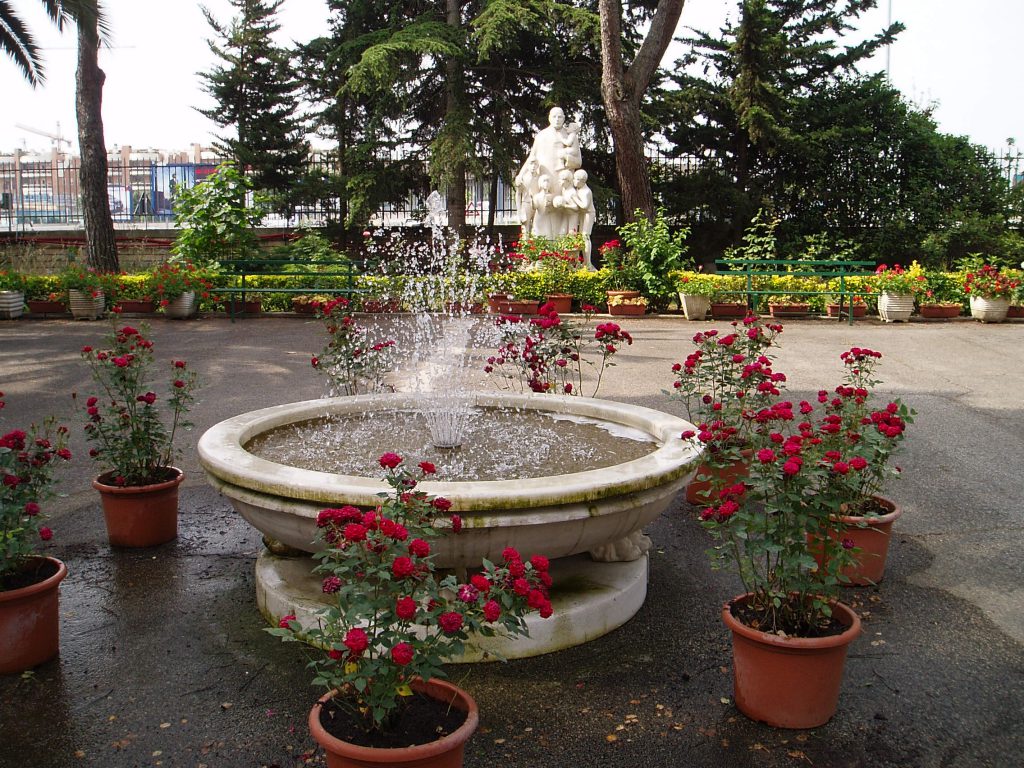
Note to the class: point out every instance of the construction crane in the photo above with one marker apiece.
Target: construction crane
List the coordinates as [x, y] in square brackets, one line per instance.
[57, 138]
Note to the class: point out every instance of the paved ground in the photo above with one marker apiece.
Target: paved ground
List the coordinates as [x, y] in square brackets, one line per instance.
[163, 661]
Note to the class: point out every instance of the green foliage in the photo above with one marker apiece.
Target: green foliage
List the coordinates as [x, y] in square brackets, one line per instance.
[215, 219]
[309, 246]
[696, 283]
[657, 253]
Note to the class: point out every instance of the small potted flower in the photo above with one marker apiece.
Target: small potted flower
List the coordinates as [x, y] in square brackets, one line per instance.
[696, 290]
[785, 305]
[131, 296]
[989, 291]
[177, 287]
[624, 280]
[393, 620]
[306, 303]
[942, 297]
[549, 354]
[833, 305]
[627, 305]
[29, 582]
[85, 290]
[12, 295]
[132, 441]
[897, 288]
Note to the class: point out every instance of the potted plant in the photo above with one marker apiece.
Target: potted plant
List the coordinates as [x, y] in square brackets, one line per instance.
[354, 362]
[177, 286]
[856, 302]
[785, 305]
[29, 582]
[989, 291]
[307, 303]
[865, 517]
[12, 295]
[132, 442]
[131, 296]
[727, 373]
[942, 297]
[43, 295]
[897, 288]
[778, 529]
[655, 254]
[624, 279]
[695, 293]
[85, 291]
[1017, 298]
[632, 306]
[550, 354]
[393, 620]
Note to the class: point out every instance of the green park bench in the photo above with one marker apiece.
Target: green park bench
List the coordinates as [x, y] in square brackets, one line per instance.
[333, 278]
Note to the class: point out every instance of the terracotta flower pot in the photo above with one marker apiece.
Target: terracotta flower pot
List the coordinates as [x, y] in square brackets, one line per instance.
[46, 307]
[623, 294]
[939, 311]
[29, 622]
[789, 310]
[247, 307]
[1015, 311]
[859, 310]
[789, 682]
[141, 515]
[871, 536]
[726, 309]
[137, 306]
[501, 305]
[446, 752]
[627, 310]
[562, 302]
[303, 307]
[698, 490]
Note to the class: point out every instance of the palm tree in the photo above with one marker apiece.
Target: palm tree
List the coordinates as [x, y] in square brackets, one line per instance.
[17, 42]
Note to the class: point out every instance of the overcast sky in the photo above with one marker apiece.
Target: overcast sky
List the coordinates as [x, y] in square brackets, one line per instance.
[961, 57]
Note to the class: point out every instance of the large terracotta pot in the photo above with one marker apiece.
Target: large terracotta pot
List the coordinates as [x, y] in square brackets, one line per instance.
[507, 306]
[859, 310]
[989, 310]
[627, 310]
[1016, 311]
[85, 306]
[562, 302]
[446, 752]
[789, 310]
[895, 307]
[694, 307]
[698, 490]
[725, 309]
[137, 306]
[46, 307]
[939, 311]
[871, 536]
[141, 515]
[183, 306]
[789, 682]
[29, 622]
[12, 304]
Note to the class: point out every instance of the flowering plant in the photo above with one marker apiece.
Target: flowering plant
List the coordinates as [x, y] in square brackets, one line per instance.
[75, 277]
[392, 618]
[988, 282]
[131, 441]
[780, 527]
[623, 267]
[940, 289]
[548, 353]
[619, 301]
[169, 280]
[352, 361]
[11, 281]
[897, 280]
[26, 478]
[696, 284]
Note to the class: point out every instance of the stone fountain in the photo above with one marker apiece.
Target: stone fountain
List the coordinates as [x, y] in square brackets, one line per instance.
[587, 518]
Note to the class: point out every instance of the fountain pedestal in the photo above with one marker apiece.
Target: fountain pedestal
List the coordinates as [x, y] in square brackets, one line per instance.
[589, 599]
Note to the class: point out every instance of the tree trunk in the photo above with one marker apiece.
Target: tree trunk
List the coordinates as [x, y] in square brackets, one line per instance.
[453, 69]
[623, 89]
[101, 247]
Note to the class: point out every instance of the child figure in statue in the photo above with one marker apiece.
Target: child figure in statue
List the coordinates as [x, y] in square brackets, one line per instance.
[544, 214]
[583, 199]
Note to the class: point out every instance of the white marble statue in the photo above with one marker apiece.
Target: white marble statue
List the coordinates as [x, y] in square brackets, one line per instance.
[584, 200]
[545, 217]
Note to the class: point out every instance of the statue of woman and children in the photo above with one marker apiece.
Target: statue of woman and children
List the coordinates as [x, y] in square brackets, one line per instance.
[552, 195]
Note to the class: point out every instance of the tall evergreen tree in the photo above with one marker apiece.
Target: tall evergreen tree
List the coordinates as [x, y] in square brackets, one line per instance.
[257, 96]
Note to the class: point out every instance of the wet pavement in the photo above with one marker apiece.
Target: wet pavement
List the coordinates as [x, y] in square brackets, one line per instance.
[164, 661]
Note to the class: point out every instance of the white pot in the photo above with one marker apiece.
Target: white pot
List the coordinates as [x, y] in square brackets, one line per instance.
[12, 304]
[85, 306]
[895, 307]
[183, 306]
[989, 310]
[695, 307]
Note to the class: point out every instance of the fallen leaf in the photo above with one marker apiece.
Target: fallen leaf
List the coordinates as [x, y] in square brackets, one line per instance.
[227, 705]
[165, 725]
[611, 737]
[79, 753]
[499, 741]
[725, 699]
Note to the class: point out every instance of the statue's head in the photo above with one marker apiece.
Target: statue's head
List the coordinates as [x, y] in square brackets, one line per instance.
[556, 118]
[565, 177]
[579, 178]
[544, 182]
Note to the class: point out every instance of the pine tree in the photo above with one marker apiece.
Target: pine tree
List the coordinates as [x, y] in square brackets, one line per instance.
[257, 95]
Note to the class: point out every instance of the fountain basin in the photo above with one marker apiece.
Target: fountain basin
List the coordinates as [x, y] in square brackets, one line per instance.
[557, 515]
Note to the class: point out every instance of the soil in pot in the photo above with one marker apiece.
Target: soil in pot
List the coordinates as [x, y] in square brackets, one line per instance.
[422, 721]
[37, 570]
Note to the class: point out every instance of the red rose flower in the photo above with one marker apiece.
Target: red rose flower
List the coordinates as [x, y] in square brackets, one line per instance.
[402, 568]
[286, 621]
[450, 622]
[492, 610]
[405, 608]
[390, 460]
[419, 548]
[402, 654]
[356, 641]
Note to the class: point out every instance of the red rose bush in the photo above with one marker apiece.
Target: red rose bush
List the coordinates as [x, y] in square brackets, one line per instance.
[392, 617]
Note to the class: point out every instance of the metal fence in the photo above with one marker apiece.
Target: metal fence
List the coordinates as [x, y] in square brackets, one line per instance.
[44, 194]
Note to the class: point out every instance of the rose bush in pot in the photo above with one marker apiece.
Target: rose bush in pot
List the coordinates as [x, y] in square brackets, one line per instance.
[29, 625]
[132, 440]
[393, 620]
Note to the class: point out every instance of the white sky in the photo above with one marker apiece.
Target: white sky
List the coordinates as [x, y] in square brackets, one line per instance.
[962, 58]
